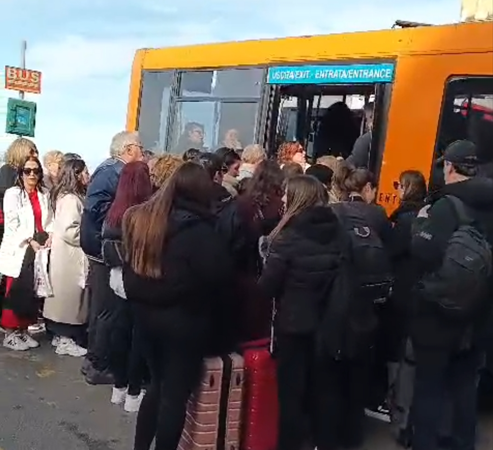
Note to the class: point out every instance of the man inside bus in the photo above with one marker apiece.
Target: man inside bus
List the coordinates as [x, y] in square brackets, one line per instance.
[360, 155]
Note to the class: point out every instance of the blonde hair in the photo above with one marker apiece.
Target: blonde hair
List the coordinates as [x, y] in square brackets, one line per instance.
[19, 150]
[53, 156]
[253, 154]
[302, 192]
[328, 161]
[340, 170]
[164, 166]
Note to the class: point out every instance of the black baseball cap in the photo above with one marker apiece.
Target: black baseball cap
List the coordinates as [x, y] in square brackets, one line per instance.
[461, 152]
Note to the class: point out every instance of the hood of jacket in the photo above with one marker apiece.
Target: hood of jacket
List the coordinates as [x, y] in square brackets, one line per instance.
[185, 214]
[318, 224]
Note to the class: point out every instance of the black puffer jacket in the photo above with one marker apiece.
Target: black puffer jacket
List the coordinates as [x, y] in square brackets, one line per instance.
[405, 267]
[194, 296]
[374, 214]
[302, 263]
[395, 316]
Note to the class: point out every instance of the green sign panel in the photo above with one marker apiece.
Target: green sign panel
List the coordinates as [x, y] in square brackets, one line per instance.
[21, 117]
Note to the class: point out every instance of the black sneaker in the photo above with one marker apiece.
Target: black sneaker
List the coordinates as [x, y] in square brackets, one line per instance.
[96, 377]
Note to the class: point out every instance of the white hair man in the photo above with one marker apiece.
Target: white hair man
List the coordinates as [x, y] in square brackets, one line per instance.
[125, 147]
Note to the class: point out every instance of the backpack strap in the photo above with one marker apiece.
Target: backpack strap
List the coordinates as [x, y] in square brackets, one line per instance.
[460, 210]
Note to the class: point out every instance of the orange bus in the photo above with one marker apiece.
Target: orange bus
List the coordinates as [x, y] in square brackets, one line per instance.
[428, 85]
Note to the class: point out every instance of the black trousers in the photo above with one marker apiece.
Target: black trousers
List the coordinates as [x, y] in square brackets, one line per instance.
[319, 398]
[102, 302]
[445, 380]
[175, 363]
[126, 358]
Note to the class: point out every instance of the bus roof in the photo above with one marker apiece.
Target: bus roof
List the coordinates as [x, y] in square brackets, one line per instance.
[474, 37]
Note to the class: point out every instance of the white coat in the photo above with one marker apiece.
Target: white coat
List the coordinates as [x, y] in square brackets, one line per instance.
[68, 264]
[19, 226]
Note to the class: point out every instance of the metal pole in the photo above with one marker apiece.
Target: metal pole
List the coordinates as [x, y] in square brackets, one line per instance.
[23, 63]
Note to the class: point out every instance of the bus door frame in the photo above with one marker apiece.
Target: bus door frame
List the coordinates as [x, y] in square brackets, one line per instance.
[266, 128]
[383, 96]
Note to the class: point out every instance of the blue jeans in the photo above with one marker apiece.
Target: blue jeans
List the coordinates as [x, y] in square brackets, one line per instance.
[445, 379]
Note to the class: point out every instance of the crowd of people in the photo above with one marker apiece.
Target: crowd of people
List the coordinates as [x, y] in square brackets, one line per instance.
[158, 261]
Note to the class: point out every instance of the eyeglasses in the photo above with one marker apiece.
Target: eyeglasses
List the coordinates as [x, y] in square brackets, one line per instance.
[28, 171]
[397, 185]
[139, 146]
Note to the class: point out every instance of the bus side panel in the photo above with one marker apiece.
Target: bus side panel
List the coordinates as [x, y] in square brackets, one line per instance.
[135, 88]
[363, 45]
[414, 114]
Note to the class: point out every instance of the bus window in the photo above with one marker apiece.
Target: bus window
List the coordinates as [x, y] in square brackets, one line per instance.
[221, 123]
[193, 126]
[228, 83]
[154, 107]
[240, 117]
[221, 106]
[467, 113]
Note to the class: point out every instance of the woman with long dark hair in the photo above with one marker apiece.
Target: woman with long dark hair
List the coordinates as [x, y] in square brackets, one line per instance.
[243, 223]
[412, 191]
[176, 275]
[66, 312]
[231, 162]
[28, 225]
[127, 365]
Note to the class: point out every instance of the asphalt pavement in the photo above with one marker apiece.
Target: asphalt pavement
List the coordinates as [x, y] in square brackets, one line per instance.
[46, 405]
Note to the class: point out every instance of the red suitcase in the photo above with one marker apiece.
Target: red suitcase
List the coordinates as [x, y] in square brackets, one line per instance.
[260, 405]
[214, 410]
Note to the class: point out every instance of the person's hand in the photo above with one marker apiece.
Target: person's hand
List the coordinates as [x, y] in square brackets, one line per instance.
[35, 245]
[423, 212]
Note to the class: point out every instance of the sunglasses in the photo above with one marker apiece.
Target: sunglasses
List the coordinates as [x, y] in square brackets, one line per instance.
[28, 171]
[397, 185]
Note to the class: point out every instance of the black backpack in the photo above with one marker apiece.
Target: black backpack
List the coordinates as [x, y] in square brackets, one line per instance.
[371, 261]
[460, 286]
[349, 322]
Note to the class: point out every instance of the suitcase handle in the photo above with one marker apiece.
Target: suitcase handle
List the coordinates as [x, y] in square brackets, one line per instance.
[259, 343]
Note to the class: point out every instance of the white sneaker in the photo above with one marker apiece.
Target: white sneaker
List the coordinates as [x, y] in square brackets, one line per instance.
[37, 328]
[30, 342]
[118, 395]
[13, 341]
[132, 402]
[68, 347]
[55, 341]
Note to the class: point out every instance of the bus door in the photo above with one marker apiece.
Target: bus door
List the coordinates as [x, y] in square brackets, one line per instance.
[313, 91]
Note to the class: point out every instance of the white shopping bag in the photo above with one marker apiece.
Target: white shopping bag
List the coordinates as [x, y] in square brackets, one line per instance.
[116, 282]
[42, 284]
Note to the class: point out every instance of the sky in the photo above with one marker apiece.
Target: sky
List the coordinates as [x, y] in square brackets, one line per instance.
[85, 48]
